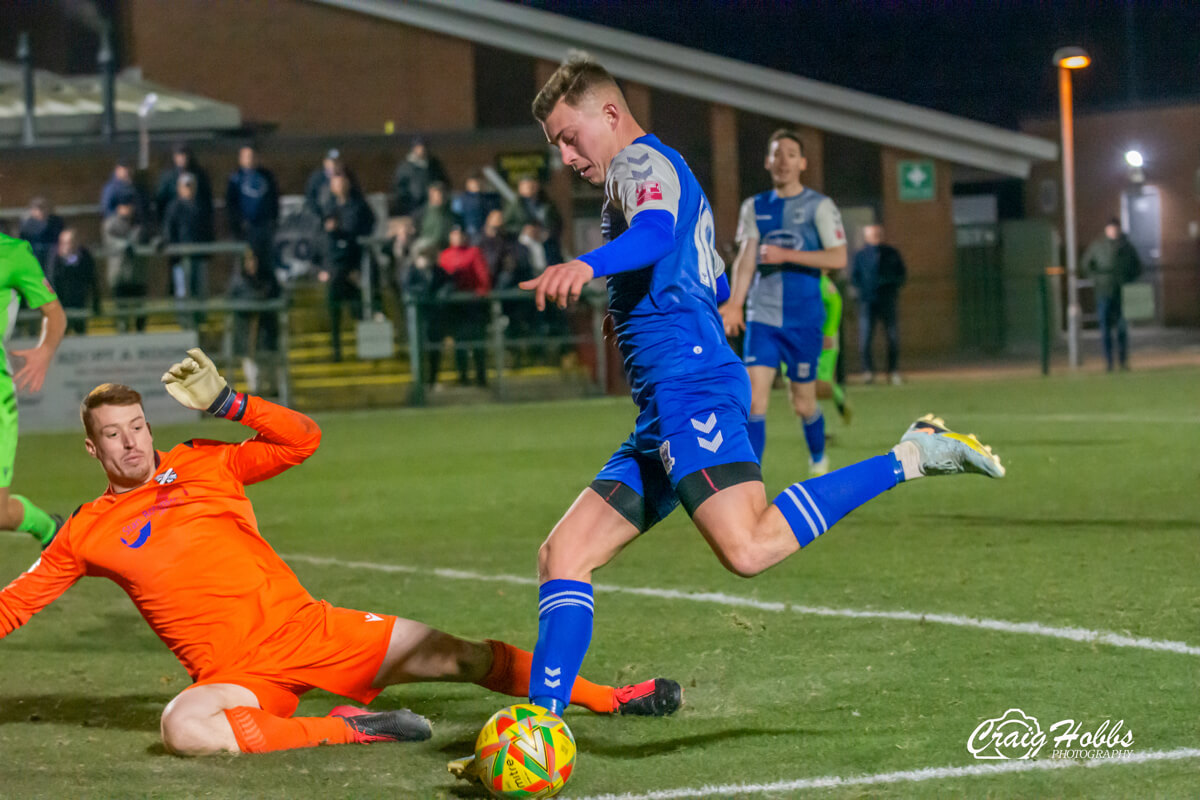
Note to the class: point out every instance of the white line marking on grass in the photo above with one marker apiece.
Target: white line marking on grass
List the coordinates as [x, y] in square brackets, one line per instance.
[905, 776]
[718, 598]
[1093, 418]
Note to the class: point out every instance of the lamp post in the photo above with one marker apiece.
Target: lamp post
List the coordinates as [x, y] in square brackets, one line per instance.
[1067, 59]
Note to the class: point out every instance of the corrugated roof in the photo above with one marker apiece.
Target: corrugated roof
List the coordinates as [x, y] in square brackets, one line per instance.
[71, 107]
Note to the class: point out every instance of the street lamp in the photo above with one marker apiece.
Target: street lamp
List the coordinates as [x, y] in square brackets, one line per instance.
[1067, 59]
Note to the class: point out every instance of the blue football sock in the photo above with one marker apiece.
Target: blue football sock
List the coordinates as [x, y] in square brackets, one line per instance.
[813, 506]
[814, 434]
[565, 611]
[756, 427]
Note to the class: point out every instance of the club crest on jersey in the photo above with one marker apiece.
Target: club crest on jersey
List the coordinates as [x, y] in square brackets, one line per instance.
[800, 216]
[166, 477]
[648, 191]
[664, 452]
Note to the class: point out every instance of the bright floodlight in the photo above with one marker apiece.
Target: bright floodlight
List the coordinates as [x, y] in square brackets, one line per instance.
[1071, 58]
[1133, 158]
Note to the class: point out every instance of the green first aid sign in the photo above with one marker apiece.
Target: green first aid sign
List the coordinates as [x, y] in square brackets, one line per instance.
[917, 180]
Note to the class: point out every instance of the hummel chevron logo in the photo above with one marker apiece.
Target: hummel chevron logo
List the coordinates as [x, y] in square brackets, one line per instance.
[707, 426]
[641, 175]
[553, 684]
[642, 159]
[553, 673]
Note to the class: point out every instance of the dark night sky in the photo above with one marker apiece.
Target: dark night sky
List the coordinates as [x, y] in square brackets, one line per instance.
[987, 61]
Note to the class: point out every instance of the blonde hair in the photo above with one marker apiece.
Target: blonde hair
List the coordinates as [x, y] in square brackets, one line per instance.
[106, 394]
[571, 82]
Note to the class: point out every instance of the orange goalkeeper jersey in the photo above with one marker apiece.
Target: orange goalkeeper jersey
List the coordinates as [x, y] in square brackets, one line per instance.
[185, 546]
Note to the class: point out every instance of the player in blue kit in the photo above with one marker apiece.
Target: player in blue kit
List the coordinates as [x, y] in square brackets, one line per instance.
[786, 237]
[690, 444]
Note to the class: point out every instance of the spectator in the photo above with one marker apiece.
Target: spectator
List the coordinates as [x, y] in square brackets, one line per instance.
[877, 275]
[1111, 262]
[41, 228]
[128, 277]
[255, 333]
[184, 162]
[508, 264]
[184, 223]
[533, 238]
[474, 205]
[252, 203]
[121, 190]
[493, 243]
[399, 254]
[466, 271]
[343, 273]
[317, 195]
[72, 272]
[416, 173]
[532, 206]
[435, 220]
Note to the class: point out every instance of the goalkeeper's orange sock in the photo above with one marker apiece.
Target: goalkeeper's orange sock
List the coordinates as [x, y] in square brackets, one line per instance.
[259, 731]
[510, 675]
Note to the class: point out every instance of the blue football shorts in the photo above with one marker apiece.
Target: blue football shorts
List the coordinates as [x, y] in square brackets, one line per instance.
[690, 443]
[796, 348]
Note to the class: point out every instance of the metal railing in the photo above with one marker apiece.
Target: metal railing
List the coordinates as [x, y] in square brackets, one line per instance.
[497, 341]
[127, 314]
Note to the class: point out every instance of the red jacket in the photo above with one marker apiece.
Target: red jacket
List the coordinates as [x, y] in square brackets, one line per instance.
[467, 268]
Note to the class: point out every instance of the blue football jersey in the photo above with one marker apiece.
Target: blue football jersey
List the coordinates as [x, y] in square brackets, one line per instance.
[789, 295]
[665, 315]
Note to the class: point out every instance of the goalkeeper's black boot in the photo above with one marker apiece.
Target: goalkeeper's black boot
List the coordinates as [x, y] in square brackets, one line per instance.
[399, 725]
[654, 698]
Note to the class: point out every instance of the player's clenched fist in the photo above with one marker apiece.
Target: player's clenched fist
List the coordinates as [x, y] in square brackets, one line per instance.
[560, 283]
[195, 382]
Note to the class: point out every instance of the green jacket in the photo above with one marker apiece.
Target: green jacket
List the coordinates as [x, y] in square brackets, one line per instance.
[1111, 263]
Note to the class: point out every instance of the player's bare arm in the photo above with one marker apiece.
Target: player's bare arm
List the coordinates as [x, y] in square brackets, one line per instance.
[32, 375]
[829, 258]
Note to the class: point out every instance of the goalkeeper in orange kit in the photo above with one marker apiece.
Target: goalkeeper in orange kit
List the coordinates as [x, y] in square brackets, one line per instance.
[177, 533]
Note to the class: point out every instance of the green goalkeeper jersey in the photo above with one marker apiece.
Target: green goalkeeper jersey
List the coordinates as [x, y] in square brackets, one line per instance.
[832, 300]
[20, 276]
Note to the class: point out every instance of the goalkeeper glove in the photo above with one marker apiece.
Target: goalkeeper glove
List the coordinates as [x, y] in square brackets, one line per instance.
[195, 383]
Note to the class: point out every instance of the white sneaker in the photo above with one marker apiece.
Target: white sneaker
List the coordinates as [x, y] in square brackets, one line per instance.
[868, 377]
[816, 468]
[896, 379]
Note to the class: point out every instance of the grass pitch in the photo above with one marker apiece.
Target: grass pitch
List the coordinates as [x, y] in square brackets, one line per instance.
[1095, 527]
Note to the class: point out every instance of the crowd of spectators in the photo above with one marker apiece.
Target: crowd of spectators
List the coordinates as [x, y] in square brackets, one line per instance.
[436, 241]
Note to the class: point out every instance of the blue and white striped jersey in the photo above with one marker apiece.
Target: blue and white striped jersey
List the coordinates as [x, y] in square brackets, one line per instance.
[785, 295]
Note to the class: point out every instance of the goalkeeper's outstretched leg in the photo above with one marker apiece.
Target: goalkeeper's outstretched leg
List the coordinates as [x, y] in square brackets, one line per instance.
[252, 713]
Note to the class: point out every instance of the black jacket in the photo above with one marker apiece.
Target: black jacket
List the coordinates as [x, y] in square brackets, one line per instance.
[877, 270]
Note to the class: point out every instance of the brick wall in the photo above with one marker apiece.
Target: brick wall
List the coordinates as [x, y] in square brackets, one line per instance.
[306, 67]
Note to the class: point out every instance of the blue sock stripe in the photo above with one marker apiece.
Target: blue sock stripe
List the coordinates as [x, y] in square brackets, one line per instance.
[793, 519]
[567, 597]
[757, 417]
[815, 508]
[565, 604]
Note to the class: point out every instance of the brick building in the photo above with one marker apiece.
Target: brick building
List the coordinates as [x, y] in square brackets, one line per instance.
[308, 74]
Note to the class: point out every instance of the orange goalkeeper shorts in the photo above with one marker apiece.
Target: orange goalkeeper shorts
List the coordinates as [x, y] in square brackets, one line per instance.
[322, 646]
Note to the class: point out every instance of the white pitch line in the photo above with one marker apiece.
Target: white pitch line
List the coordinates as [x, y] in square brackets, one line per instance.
[1092, 418]
[1029, 628]
[904, 776]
